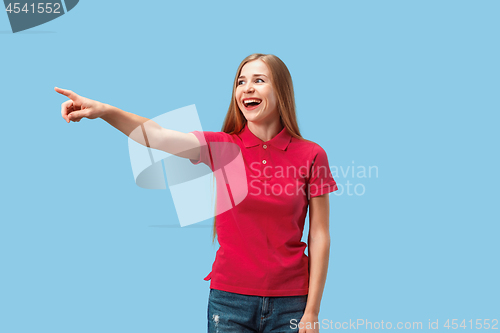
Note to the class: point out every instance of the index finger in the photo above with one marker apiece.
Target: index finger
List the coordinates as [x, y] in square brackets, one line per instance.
[68, 93]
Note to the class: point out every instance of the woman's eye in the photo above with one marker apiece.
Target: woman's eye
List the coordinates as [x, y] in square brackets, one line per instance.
[256, 80]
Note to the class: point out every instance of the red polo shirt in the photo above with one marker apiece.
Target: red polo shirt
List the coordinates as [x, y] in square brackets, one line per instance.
[261, 252]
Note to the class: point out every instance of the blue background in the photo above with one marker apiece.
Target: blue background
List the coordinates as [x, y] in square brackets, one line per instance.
[410, 87]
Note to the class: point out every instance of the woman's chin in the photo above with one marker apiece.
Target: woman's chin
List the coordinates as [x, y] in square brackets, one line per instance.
[249, 116]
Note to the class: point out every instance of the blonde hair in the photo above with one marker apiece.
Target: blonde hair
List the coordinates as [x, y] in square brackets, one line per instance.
[281, 81]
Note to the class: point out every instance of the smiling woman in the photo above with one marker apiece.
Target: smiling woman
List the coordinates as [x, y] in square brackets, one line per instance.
[261, 279]
[254, 92]
[261, 253]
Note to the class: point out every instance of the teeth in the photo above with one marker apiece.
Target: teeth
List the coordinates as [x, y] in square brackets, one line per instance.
[248, 101]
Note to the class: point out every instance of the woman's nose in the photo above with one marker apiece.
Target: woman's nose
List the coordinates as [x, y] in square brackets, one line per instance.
[249, 88]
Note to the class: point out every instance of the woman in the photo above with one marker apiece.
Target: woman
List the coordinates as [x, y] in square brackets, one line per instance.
[261, 279]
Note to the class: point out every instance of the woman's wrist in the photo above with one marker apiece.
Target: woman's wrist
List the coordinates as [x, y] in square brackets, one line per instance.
[106, 111]
[311, 312]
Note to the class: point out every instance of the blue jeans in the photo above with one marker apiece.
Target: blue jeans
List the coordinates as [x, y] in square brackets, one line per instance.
[237, 313]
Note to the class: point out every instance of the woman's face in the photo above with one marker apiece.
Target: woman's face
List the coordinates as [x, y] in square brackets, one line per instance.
[255, 94]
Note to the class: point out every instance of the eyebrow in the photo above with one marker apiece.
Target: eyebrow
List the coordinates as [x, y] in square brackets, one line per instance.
[242, 76]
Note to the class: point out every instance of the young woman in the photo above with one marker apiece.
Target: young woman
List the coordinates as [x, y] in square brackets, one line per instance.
[261, 279]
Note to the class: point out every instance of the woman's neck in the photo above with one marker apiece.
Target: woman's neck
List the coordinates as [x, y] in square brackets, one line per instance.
[266, 131]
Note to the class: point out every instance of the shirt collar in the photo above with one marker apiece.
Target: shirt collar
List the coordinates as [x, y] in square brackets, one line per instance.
[280, 141]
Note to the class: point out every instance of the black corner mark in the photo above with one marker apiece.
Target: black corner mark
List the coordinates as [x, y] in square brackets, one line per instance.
[25, 15]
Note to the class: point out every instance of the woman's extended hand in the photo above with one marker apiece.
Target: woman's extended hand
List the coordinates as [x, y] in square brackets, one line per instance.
[79, 107]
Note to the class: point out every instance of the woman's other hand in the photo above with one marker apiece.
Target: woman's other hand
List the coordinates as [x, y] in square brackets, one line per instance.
[78, 107]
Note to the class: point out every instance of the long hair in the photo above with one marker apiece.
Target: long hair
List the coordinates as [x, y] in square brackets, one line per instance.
[281, 82]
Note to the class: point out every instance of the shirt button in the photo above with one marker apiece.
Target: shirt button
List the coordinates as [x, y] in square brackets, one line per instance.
[264, 146]
[264, 161]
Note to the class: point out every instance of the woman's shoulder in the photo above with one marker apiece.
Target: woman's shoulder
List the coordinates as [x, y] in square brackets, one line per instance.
[309, 151]
[305, 144]
[211, 136]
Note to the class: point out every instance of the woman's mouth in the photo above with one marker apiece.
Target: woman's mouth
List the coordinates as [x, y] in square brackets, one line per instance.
[251, 103]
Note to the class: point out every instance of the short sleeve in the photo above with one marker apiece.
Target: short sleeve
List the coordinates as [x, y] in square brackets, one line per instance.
[321, 180]
[206, 138]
